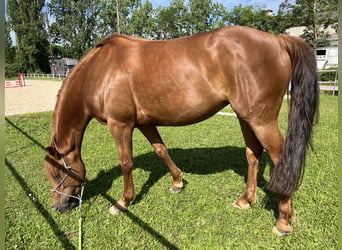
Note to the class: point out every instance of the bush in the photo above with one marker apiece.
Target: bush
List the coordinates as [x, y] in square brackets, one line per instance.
[11, 70]
[327, 76]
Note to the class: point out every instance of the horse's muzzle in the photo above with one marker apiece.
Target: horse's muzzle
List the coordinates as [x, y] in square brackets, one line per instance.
[66, 205]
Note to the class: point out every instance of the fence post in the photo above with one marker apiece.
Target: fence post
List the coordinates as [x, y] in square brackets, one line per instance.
[336, 79]
[326, 85]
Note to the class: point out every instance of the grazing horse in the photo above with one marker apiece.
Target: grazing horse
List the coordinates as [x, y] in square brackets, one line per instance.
[128, 82]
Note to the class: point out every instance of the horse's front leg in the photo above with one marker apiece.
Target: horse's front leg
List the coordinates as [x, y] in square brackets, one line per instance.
[123, 138]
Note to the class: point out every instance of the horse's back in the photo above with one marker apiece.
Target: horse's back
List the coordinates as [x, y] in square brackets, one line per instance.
[185, 80]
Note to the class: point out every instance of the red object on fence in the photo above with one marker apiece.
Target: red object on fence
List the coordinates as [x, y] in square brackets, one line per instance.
[18, 83]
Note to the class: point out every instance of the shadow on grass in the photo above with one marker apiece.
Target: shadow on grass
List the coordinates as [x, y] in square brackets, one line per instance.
[162, 240]
[40, 207]
[100, 186]
[63, 238]
[25, 134]
[200, 161]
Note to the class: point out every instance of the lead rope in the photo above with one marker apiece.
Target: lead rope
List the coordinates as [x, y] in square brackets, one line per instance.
[80, 221]
[78, 197]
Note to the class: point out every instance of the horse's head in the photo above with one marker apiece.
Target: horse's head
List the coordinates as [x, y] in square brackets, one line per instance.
[66, 175]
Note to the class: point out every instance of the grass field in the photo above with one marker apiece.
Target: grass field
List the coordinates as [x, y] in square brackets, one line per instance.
[211, 155]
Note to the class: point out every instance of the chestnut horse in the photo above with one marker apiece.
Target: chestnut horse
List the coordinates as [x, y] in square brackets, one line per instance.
[127, 82]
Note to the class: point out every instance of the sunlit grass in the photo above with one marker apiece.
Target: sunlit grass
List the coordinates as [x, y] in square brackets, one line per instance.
[211, 155]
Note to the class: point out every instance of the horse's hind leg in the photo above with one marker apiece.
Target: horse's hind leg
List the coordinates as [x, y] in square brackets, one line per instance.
[153, 136]
[253, 152]
[271, 139]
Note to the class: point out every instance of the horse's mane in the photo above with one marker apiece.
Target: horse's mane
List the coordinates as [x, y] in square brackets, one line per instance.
[67, 83]
[79, 66]
[109, 40]
[113, 39]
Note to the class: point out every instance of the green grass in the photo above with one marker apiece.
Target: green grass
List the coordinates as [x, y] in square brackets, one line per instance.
[212, 157]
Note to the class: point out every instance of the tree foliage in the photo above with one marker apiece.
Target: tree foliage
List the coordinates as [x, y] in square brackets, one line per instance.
[254, 17]
[204, 15]
[142, 21]
[315, 15]
[26, 19]
[12, 68]
[76, 26]
[172, 21]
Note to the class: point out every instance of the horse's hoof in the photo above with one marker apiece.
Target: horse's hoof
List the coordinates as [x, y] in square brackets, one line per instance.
[241, 205]
[115, 209]
[175, 190]
[279, 232]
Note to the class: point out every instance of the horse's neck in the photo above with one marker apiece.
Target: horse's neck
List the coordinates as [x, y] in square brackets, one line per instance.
[70, 121]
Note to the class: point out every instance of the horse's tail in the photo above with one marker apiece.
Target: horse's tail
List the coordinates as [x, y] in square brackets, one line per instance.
[304, 102]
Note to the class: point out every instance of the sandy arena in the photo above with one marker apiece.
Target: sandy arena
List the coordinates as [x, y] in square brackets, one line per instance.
[36, 96]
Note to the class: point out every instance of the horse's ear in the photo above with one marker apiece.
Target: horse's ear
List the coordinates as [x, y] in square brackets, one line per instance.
[53, 152]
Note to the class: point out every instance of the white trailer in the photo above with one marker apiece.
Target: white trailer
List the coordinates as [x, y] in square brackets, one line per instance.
[327, 57]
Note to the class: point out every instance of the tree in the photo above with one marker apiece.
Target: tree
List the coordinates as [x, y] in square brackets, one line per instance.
[142, 22]
[26, 20]
[11, 67]
[109, 20]
[204, 15]
[9, 49]
[286, 17]
[75, 26]
[216, 19]
[172, 20]
[178, 19]
[254, 17]
[315, 15]
[320, 14]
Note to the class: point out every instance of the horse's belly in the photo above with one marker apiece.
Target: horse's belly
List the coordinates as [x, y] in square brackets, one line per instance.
[178, 114]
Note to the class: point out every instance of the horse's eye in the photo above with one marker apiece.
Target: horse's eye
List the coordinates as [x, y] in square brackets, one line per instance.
[57, 176]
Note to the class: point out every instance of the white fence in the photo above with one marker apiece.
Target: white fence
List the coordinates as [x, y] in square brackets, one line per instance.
[329, 85]
[46, 76]
[324, 85]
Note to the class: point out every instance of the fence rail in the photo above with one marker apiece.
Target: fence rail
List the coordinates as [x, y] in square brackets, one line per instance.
[46, 76]
[329, 85]
[324, 85]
